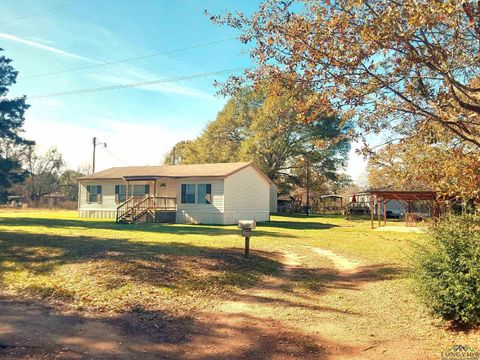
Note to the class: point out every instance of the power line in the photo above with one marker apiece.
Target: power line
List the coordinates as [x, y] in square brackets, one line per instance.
[126, 59]
[109, 152]
[137, 84]
[40, 12]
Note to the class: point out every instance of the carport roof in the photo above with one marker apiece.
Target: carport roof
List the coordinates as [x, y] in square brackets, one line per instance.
[401, 195]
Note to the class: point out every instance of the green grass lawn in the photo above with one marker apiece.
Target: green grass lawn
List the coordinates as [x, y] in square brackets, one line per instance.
[100, 265]
[177, 270]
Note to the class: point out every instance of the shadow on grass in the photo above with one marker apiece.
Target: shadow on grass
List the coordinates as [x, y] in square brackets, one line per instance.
[173, 265]
[298, 225]
[139, 331]
[174, 229]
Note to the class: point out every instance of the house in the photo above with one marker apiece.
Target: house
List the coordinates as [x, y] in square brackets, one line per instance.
[221, 193]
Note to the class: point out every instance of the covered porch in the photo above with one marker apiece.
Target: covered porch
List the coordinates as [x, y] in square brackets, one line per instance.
[146, 199]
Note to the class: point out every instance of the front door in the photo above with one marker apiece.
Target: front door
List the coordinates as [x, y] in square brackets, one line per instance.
[139, 191]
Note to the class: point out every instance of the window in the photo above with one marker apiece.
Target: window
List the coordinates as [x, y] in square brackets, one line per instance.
[140, 190]
[120, 193]
[94, 193]
[188, 193]
[204, 193]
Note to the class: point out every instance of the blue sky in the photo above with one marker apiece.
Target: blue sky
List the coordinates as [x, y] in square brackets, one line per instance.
[151, 118]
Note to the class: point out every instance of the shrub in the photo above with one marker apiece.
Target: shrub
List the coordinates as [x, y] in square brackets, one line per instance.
[448, 269]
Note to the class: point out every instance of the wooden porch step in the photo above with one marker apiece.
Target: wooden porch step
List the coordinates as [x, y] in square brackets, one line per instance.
[145, 210]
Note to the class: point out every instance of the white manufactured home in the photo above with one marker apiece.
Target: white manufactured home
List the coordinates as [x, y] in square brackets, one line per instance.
[200, 194]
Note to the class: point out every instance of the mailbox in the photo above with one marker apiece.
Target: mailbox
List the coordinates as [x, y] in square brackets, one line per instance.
[247, 226]
[246, 232]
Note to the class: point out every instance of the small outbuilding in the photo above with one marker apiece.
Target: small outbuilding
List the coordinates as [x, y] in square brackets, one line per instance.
[331, 203]
[285, 203]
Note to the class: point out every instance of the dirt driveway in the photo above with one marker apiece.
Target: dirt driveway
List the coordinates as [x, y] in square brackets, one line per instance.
[259, 323]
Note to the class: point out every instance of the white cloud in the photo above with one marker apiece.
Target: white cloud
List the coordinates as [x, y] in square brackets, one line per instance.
[40, 40]
[44, 47]
[127, 143]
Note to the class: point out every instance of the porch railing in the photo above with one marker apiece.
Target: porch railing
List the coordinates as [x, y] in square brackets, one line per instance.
[134, 207]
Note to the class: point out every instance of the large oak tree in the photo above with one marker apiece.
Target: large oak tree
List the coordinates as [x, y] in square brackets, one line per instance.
[391, 65]
[262, 125]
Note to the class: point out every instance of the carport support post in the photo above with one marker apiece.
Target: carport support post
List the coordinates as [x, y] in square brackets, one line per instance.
[385, 213]
[379, 203]
[372, 205]
[247, 246]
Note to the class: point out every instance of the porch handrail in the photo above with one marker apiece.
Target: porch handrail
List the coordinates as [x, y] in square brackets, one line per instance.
[124, 208]
[136, 206]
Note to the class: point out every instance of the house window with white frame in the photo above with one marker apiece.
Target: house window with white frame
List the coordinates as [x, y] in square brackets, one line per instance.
[94, 194]
[188, 193]
[120, 193]
[204, 193]
[196, 194]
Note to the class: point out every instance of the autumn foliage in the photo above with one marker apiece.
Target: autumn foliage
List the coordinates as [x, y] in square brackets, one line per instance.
[390, 65]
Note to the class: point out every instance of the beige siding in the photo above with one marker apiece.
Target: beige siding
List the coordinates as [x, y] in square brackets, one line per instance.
[247, 196]
[108, 195]
[108, 207]
[201, 213]
[170, 188]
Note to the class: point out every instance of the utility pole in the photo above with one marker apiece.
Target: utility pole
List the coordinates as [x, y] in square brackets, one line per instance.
[95, 143]
[304, 159]
[307, 210]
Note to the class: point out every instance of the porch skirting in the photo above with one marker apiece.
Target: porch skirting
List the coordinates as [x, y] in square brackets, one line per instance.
[185, 216]
[165, 216]
[98, 214]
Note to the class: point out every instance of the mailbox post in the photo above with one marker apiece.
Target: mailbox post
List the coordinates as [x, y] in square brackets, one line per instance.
[246, 226]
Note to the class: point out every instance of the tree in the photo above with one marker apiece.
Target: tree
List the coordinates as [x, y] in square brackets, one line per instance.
[67, 183]
[341, 183]
[85, 168]
[394, 66]
[43, 173]
[180, 153]
[440, 163]
[11, 173]
[12, 113]
[261, 125]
